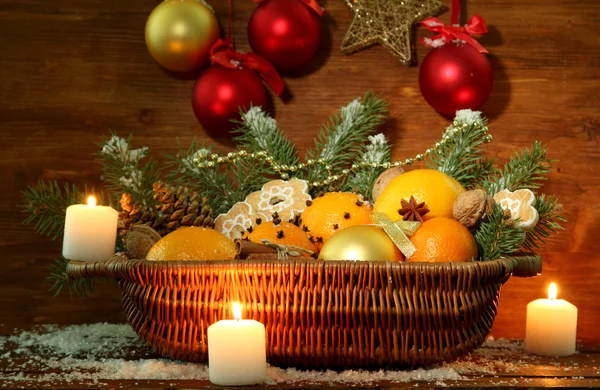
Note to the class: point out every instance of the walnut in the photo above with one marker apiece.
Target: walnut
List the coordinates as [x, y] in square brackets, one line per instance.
[472, 206]
[139, 239]
[384, 179]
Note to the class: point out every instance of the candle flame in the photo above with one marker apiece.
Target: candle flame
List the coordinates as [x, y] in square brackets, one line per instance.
[237, 311]
[552, 291]
[92, 201]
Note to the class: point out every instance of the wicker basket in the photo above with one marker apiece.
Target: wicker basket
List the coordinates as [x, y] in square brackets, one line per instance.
[317, 314]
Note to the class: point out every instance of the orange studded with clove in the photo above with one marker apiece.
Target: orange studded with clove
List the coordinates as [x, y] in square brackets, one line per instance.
[283, 233]
[332, 212]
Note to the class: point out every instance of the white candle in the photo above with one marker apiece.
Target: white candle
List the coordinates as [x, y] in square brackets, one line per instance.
[551, 326]
[237, 353]
[90, 232]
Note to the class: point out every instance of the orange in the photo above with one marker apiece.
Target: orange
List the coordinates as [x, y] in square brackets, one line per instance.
[332, 212]
[193, 243]
[285, 233]
[436, 189]
[443, 239]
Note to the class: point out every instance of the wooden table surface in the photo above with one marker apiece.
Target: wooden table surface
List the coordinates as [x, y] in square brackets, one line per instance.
[131, 364]
[70, 70]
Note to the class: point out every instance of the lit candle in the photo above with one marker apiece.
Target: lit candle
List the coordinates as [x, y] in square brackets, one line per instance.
[237, 353]
[90, 232]
[551, 326]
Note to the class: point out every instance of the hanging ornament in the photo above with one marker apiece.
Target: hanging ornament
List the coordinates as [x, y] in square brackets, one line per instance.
[456, 74]
[232, 82]
[387, 22]
[286, 33]
[179, 34]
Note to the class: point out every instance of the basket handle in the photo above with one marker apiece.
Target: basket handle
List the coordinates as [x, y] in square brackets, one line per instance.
[526, 266]
[111, 268]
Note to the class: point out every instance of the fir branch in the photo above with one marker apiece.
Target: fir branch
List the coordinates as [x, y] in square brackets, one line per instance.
[222, 185]
[338, 143]
[498, 236]
[46, 205]
[123, 170]
[549, 222]
[376, 152]
[525, 170]
[461, 155]
[208, 182]
[59, 279]
[259, 132]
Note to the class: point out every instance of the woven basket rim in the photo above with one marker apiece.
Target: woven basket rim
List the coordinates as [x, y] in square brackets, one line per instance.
[524, 266]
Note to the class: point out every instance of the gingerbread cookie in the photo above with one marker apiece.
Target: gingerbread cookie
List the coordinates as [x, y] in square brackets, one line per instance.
[239, 218]
[520, 205]
[286, 198]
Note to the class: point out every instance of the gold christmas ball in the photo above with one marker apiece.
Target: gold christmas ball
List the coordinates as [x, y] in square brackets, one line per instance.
[360, 242]
[180, 33]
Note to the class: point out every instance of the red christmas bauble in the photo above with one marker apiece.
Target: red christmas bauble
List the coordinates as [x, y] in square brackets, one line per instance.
[285, 32]
[454, 77]
[220, 93]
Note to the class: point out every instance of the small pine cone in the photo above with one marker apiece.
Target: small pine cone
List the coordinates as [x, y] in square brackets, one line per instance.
[194, 207]
[168, 208]
[126, 202]
[171, 226]
[188, 220]
[177, 215]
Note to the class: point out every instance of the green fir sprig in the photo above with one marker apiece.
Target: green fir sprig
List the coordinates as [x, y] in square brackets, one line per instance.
[47, 202]
[258, 132]
[338, 144]
[526, 169]
[498, 236]
[124, 170]
[549, 222]
[377, 153]
[461, 156]
[59, 280]
[223, 184]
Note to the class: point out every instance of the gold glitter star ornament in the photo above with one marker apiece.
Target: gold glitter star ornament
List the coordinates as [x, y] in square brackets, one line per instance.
[387, 22]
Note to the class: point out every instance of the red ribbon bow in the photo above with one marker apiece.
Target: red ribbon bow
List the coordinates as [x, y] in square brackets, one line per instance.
[476, 25]
[223, 54]
[312, 4]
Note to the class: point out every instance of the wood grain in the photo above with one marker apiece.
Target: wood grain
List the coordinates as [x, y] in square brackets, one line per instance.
[71, 70]
[502, 369]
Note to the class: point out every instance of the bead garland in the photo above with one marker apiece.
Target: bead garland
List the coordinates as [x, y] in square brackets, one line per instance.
[211, 160]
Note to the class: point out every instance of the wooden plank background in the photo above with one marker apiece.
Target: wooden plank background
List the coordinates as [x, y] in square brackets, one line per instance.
[70, 70]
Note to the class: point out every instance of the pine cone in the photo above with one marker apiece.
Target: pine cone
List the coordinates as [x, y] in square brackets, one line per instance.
[175, 207]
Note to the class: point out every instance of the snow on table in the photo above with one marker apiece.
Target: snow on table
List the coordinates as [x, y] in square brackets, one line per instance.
[111, 355]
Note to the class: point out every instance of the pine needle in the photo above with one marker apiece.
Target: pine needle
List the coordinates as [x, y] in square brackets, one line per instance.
[223, 184]
[259, 132]
[124, 172]
[339, 142]
[525, 170]
[461, 156]
[549, 222]
[59, 279]
[47, 203]
[377, 151]
[498, 236]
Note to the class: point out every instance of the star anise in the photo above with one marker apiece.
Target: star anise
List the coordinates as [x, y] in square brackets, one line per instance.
[412, 211]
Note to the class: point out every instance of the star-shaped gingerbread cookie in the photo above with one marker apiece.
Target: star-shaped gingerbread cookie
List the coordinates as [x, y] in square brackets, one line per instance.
[387, 22]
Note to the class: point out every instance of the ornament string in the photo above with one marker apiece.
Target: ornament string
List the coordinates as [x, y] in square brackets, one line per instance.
[223, 54]
[312, 4]
[231, 23]
[210, 160]
[475, 26]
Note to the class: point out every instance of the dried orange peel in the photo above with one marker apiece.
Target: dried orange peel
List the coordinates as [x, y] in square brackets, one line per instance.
[520, 205]
[239, 218]
[286, 198]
